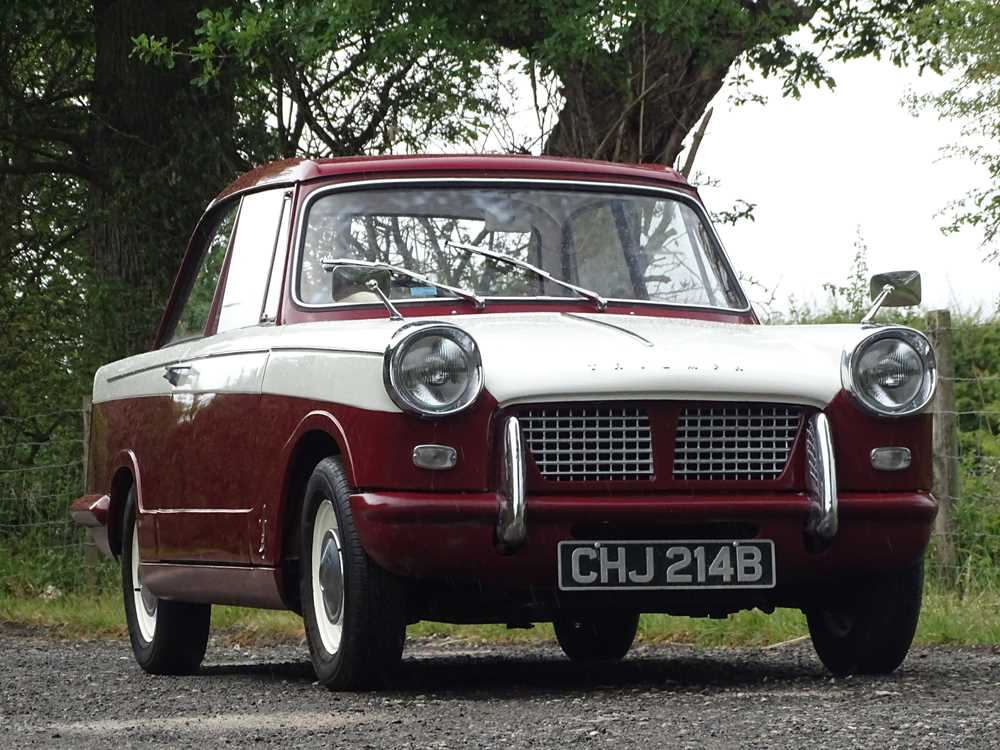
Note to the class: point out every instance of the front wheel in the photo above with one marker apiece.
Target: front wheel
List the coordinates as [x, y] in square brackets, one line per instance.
[598, 636]
[867, 627]
[354, 611]
[167, 637]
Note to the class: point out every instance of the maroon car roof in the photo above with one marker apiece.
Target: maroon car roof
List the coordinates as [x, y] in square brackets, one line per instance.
[291, 171]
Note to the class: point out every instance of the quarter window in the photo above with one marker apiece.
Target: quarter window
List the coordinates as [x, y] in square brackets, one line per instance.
[194, 315]
[252, 256]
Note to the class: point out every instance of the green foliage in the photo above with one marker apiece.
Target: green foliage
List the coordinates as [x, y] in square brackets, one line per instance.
[977, 392]
[965, 38]
[340, 78]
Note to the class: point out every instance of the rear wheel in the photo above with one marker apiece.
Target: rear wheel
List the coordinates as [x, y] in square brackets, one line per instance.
[167, 637]
[596, 636]
[354, 611]
[867, 627]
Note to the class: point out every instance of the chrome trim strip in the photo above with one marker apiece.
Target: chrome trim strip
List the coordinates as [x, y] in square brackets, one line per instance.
[512, 527]
[687, 198]
[197, 511]
[141, 370]
[606, 324]
[217, 355]
[821, 483]
[327, 350]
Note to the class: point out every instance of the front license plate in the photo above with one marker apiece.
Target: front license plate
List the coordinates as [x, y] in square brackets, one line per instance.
[686, 564]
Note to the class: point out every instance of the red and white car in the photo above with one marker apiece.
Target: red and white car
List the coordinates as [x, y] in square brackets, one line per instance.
[509, 390]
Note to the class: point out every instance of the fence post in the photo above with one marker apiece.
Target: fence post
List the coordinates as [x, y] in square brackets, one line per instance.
[945, 450]
[90, 553]
[87, 409]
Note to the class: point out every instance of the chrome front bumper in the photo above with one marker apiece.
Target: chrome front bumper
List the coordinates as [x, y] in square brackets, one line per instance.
[821, 482]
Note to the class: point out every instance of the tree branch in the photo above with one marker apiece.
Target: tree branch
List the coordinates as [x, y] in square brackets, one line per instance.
[26, 168]
[695, 143]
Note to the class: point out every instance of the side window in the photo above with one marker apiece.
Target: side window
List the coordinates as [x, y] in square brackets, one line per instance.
[194, 314]
[251, 260]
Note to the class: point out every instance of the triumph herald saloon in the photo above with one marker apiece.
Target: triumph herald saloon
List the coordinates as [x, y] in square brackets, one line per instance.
[502, 390]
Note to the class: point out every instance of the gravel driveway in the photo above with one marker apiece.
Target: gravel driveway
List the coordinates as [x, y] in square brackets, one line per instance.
[91, 694]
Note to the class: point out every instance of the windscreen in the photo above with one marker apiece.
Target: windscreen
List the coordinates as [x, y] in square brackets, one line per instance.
[628, 246]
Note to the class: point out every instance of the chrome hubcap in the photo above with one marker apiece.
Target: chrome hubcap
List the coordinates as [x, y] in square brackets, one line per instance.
[148, 599]
[331, 577]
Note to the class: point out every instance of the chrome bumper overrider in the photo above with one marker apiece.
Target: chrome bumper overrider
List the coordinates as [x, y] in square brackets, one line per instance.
[821, 486]
[511, 527]
[821, 483]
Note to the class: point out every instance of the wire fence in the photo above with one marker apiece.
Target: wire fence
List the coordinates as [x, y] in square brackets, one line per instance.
[42, 472]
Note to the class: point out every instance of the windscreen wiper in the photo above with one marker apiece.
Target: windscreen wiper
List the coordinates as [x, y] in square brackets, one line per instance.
[599, 302]
[329, 264]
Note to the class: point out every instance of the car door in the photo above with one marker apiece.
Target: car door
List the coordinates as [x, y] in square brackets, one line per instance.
[215, 520]
[163, 452]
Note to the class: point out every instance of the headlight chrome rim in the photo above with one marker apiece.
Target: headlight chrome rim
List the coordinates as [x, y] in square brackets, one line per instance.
[920, 344]
[404, 340]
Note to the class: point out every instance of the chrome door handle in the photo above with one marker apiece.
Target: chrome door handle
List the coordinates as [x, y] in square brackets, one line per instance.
[174, 373]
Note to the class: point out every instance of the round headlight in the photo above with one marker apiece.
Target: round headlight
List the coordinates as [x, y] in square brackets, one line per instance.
[433, 370]
[892, 371]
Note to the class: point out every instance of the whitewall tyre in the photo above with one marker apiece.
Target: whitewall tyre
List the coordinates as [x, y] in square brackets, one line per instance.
[167, 637]
[354, 611]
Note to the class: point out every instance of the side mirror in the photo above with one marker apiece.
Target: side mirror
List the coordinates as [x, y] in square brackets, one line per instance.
[905, 289]
[893, 289]
[352, 282]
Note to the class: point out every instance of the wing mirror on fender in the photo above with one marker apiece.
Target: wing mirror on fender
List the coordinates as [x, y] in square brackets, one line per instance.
[893, 289]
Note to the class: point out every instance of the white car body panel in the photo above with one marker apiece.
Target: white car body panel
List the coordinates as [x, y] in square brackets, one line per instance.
[539, 357]
[527, 357]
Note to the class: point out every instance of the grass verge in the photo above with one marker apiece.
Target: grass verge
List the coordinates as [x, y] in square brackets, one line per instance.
[947, 618]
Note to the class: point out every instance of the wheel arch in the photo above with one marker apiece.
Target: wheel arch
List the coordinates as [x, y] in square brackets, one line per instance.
[319, 435]
[124, 474]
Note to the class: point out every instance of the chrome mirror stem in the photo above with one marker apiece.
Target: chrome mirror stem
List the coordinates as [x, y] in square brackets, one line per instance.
[877, 303]
[373, 287]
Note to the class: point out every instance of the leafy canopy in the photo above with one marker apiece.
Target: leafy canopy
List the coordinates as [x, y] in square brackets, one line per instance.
[965, 38]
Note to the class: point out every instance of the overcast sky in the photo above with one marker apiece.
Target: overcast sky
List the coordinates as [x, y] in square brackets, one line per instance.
[834, 163]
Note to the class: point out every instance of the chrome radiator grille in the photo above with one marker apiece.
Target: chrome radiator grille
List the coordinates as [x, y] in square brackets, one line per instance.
[589, 443]
[736, 442]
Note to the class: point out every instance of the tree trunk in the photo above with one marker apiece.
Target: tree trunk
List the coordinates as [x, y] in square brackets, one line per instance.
[165, 149]
[639, 104]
